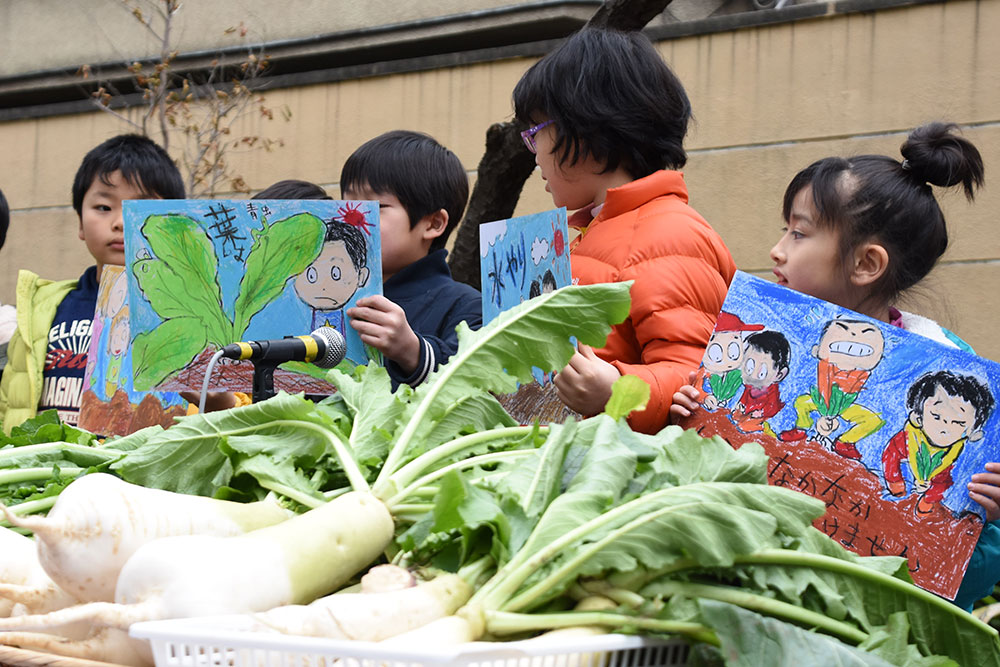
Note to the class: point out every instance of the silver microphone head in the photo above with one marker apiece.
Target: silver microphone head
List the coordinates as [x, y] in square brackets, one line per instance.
[336, 347]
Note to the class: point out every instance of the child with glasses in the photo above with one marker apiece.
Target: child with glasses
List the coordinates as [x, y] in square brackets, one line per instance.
[607, 121]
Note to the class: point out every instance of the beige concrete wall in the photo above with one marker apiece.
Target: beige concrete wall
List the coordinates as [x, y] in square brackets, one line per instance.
[768, 101]
[95, 31]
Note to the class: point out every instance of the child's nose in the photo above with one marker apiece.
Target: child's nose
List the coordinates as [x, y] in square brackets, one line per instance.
[118, 224]
[776, 255]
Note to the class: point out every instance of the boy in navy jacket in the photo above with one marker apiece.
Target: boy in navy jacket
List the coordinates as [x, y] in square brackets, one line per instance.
[422, 190]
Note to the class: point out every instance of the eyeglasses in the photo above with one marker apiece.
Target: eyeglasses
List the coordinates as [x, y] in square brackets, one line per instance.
[529, 135]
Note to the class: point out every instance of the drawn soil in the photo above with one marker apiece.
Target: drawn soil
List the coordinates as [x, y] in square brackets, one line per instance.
[120, 417]
[860, 515]
[230, 375]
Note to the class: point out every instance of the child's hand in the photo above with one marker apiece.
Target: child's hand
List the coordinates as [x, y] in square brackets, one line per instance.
[685, 400]
[985, 490]
[585, 384]
[214, 400]
[382, 324]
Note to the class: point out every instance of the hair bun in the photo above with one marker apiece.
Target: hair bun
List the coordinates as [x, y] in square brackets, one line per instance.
[936, 154]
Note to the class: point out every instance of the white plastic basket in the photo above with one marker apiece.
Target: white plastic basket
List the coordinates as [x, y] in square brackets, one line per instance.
[199, 642]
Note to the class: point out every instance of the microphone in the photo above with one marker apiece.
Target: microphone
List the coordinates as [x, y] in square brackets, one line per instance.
[324, 347]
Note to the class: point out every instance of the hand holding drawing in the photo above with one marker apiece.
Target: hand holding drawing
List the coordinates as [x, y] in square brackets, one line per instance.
[985, 490]
[585, 383]
[382, 324]
[685, 401]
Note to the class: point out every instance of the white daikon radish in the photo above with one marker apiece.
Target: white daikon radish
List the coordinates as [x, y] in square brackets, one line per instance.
[99, 521]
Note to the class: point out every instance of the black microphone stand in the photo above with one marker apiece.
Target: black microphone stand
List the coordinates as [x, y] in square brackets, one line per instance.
[263, 379]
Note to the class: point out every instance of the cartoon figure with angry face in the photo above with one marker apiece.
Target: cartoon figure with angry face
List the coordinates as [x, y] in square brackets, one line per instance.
[848, 351]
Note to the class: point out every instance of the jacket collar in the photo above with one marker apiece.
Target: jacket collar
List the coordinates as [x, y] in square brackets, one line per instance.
[410, 280]
[632, 195]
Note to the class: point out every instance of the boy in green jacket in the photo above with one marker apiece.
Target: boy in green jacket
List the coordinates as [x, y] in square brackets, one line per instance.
[47, 355]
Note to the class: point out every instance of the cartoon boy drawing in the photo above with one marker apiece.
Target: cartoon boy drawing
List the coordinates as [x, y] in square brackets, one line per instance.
[335, 275]
[765, 364]
[848, 351]
[547, 285]
[118, 337]
[719, 377]
[946, 411]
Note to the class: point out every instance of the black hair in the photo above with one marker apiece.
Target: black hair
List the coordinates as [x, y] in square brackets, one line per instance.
[534, 289]
[612, 97]
[413, 167]
[4, 218]
[843, 320]
[549, 280]
[292, 189]
[354, 242]
[773, 344]
[966, 387]
[141, 161]
[878, 198]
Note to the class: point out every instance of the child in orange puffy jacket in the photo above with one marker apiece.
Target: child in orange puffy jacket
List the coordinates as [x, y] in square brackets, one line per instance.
[607, 121]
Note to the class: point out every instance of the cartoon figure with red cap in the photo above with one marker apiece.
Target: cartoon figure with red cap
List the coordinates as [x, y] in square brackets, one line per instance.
[719, 377]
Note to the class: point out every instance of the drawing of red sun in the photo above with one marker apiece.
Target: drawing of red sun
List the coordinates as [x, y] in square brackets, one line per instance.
[558, 242]
[350, 214]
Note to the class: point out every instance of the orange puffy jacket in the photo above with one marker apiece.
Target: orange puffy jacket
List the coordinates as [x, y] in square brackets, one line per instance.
[646, 232]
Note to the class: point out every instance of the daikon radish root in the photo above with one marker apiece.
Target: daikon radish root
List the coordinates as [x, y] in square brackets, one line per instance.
[293, 562]
[18, 563]
[99, 521]
[25, 588]
[370, 616]
[447, 631]
[107, 645]
[39, 596]
[386, 578]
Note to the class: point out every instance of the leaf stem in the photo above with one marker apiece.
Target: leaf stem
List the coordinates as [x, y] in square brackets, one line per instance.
[819, 561]
[28, 474]
[301, 498]
[471, 462]
[505, 623]
[510, 577]
[405, 476]
[762, 604]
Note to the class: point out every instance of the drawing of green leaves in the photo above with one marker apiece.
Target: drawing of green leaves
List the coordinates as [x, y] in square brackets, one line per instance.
[169, 347]
[724, 387]
[839, 401]
[181, 279]
[927, 462]
[280, 251]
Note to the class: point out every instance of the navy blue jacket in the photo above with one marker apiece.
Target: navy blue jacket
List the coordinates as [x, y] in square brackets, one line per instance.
[434, 304]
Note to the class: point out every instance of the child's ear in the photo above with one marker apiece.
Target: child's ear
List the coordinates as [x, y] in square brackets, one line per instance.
[916, 418]
[437, 223]
[782, 374]
[80, 231]
[977, 434]
[363, 276]
[870, 263]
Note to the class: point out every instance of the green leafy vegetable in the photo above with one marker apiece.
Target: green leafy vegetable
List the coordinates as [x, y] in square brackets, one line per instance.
[280, 250]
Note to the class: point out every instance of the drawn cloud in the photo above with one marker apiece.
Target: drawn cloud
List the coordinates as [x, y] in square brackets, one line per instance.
[489, 235]
[539, 250]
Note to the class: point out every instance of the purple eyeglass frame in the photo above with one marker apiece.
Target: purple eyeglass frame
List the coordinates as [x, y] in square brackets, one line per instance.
[529, 135]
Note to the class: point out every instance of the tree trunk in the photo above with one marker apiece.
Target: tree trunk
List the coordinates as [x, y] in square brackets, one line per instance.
[626, 15]
[502, 171]
[506, 164]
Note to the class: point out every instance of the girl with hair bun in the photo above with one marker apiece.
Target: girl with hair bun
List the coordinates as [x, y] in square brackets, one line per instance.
[862, 230]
